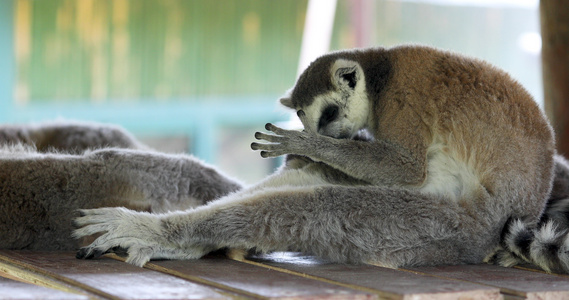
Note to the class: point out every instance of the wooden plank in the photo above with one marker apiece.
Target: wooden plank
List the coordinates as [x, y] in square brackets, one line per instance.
[387, 283]
[16, 271]
[255, 281]
[511, 281]
[17, 290]
[109, 278]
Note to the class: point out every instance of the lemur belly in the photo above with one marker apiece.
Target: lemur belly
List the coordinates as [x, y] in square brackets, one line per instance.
[448, 176]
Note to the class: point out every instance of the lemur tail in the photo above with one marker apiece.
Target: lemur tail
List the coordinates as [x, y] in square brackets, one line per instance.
[546, 244]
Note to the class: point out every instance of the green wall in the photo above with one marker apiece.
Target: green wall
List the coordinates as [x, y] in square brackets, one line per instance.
[69, 50]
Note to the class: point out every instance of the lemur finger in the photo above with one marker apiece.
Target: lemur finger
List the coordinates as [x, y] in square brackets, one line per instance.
[275, 129]
[85, 253]
[83, 221]
[94, 250]
[258, 146]
[93, 219]
[270, 147]
[108, 243]
[87, 212]
[267, 154]
[268, 137]
[94, 211]
[90, 230]
[138, 255]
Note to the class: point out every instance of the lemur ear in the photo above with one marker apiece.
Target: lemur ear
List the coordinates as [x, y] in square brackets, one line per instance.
[287, 102]
[286, 99]
[346, 73]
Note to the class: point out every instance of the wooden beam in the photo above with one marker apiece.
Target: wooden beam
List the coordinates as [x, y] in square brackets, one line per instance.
[386, 283]
[255, 281]
[12, 289]
[511, 281]
[107, 278]
[555, 57]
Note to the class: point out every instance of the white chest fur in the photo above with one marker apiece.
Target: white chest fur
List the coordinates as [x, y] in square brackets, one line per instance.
[447, 175]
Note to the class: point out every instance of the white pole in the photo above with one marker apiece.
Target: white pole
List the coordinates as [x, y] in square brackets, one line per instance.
[317, 31]
[316, 38]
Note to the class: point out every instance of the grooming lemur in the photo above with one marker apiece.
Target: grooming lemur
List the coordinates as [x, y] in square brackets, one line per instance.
[458, 152]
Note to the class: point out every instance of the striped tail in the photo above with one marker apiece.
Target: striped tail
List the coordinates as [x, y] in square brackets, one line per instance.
[546, 244]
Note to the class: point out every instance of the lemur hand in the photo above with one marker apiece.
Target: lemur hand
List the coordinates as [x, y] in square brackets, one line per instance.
[282, 142]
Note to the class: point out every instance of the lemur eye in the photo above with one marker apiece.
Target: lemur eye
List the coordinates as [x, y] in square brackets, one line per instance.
[329, 114]
[300, 113]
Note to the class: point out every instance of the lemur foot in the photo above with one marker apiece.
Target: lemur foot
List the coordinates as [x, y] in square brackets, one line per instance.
[139, 233]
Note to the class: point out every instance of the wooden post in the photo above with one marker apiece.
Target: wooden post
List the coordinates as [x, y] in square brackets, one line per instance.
[555, 57]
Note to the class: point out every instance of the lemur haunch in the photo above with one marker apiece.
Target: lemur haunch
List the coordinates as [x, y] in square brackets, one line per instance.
[458, 151]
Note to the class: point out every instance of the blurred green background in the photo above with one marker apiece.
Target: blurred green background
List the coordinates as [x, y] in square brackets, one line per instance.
[155, 49]
[201, 76]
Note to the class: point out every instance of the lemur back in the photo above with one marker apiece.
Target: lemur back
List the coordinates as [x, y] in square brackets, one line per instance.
[68, 136]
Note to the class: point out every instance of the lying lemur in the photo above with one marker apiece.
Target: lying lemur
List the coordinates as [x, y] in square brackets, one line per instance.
[49, 171]
[409, 156]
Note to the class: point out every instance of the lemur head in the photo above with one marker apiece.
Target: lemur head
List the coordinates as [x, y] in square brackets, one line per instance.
[331, 96]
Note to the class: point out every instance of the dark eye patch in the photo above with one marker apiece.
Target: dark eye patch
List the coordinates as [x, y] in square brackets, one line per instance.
[329, 114]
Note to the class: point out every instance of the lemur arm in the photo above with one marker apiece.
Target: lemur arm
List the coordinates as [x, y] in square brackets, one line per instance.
[378, 162]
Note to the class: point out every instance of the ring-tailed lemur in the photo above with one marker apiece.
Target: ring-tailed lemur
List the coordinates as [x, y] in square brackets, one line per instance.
[457, 149]
[49, 170]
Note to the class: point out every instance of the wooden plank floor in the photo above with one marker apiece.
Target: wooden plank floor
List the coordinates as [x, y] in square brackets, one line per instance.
[58, 275]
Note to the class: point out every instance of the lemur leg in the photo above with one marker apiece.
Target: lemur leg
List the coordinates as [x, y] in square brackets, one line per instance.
[168, 181]
[344, 224]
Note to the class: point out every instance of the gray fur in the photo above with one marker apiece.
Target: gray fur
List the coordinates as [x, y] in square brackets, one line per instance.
[40, 192]
[557, 208]
[457, 148]
[68, 137]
